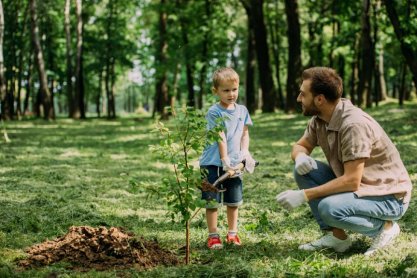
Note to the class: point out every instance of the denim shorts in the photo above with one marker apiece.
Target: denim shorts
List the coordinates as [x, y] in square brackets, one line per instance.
[232, 197]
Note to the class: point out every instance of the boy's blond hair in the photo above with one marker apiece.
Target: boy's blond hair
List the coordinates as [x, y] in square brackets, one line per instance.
[224, 74]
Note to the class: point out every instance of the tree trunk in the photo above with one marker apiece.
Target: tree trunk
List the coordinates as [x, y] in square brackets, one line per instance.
[366, 60]
[100, 91]
[79, 107]
[45, 94]
[161, 89]
[294, 54]
[250, 70]
[69, 70]
[28, 86]
[276, 44]
[2, 79]
[206, 40]
[254, 10]
[409, 54]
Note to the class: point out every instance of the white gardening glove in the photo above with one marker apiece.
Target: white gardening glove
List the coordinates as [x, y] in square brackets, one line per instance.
[304, 164]
[291, 199]
[228, 167]
[250, 163]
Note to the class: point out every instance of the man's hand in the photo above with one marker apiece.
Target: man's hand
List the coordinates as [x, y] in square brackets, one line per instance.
[291, 199]
[304, 164]
[250, 163]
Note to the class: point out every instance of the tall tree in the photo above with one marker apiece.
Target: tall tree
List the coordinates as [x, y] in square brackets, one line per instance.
[2, 79]
[250, 88]
[45, 94]
[161, 93]
[69, 68]
[254, 10]
[79, 108]
[294, 54]
[402, 33]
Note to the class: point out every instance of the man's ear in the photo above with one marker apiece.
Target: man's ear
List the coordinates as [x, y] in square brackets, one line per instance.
[319, 99]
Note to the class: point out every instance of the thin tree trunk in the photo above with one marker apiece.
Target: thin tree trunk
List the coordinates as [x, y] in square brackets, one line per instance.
[28, 86]
[254, 10]
[44, 90]
[250, 70]
[2, 79]
[161, 89]
[100, 91]
[69, 70]
[409, 54]
[366, 60]
[79, 109]
[294, 54]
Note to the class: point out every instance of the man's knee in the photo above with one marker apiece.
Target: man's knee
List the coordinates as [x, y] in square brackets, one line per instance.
[330, 211]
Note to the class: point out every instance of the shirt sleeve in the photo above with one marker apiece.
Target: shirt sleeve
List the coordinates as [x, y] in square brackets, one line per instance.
[356, 141]
[248, 120]
[211, 118]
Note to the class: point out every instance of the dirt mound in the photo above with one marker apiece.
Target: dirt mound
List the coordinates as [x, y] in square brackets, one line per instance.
[99, 248]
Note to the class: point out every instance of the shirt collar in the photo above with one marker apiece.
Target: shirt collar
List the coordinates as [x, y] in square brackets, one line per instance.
[336, 119]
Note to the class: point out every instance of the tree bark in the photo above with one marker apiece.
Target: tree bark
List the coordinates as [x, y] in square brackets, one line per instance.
[294, 54]
[46, 100]
[254, 10]
[250, 89]
[69, 70]
[366, 60]
[409, 53]
[2, 79]
[161, 89]
[79, 108]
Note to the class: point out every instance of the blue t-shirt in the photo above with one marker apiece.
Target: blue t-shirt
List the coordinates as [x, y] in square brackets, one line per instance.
[234, 122]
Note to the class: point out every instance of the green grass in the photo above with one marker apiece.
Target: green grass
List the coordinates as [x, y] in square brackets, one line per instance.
[57, 174]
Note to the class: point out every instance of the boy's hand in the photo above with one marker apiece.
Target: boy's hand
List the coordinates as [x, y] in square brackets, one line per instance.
[226, 164]
[250, 163]
[291, 199]
[304, 164]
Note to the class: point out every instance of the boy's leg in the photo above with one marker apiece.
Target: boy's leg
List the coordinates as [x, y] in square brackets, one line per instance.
[233, 199]
[232, 215]
[211, 217]
[316, 177]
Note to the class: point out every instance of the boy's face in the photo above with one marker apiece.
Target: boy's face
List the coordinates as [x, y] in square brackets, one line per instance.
[228, 92]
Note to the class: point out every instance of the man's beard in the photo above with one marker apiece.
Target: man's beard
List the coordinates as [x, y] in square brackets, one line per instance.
[311, 110]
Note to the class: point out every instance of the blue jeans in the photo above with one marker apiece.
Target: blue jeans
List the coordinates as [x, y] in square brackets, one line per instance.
[365, 215]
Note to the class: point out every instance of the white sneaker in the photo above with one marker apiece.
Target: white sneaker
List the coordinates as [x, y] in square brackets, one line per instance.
[327, 241]
[383, 239]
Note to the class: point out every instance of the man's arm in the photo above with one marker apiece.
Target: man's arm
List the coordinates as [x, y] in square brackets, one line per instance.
[302, 146]
[348, 182]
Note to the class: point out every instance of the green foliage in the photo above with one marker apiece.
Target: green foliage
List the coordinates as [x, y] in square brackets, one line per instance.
[179, 145]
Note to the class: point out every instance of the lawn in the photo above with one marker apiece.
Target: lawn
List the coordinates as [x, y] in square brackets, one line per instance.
[65, 173]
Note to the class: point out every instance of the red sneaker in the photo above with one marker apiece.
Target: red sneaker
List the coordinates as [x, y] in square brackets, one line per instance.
[235, 240]
[214, 243]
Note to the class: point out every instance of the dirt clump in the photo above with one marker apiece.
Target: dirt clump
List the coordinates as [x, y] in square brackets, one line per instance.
[99, 248]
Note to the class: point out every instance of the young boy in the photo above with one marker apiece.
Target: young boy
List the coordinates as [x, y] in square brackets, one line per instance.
[226, 154]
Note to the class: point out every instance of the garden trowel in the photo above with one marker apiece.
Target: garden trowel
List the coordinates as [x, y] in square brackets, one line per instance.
[206, 186]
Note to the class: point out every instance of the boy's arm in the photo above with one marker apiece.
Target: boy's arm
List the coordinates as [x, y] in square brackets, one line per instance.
[244, 142]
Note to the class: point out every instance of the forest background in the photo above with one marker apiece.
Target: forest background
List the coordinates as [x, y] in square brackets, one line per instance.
[100, 72]
[103, 58]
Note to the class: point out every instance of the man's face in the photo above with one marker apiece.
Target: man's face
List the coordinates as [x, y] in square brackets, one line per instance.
[307, 99]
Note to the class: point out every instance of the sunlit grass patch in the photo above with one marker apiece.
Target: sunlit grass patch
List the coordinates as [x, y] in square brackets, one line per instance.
[95, 172]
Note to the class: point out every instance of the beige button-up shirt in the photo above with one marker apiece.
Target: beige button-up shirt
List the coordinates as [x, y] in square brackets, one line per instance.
[352, 134]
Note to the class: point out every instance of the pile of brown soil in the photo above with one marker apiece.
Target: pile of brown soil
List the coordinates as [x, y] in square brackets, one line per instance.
[99, 248]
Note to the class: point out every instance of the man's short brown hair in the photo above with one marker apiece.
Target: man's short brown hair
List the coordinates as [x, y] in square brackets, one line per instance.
[224, 74]
[324, 81]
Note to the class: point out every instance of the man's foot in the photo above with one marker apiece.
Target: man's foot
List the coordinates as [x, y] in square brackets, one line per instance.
[233, 239]
[383, 239]
[214, 243]
[327, 241]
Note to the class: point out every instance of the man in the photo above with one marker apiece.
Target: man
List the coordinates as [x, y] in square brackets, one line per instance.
[365, 188]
